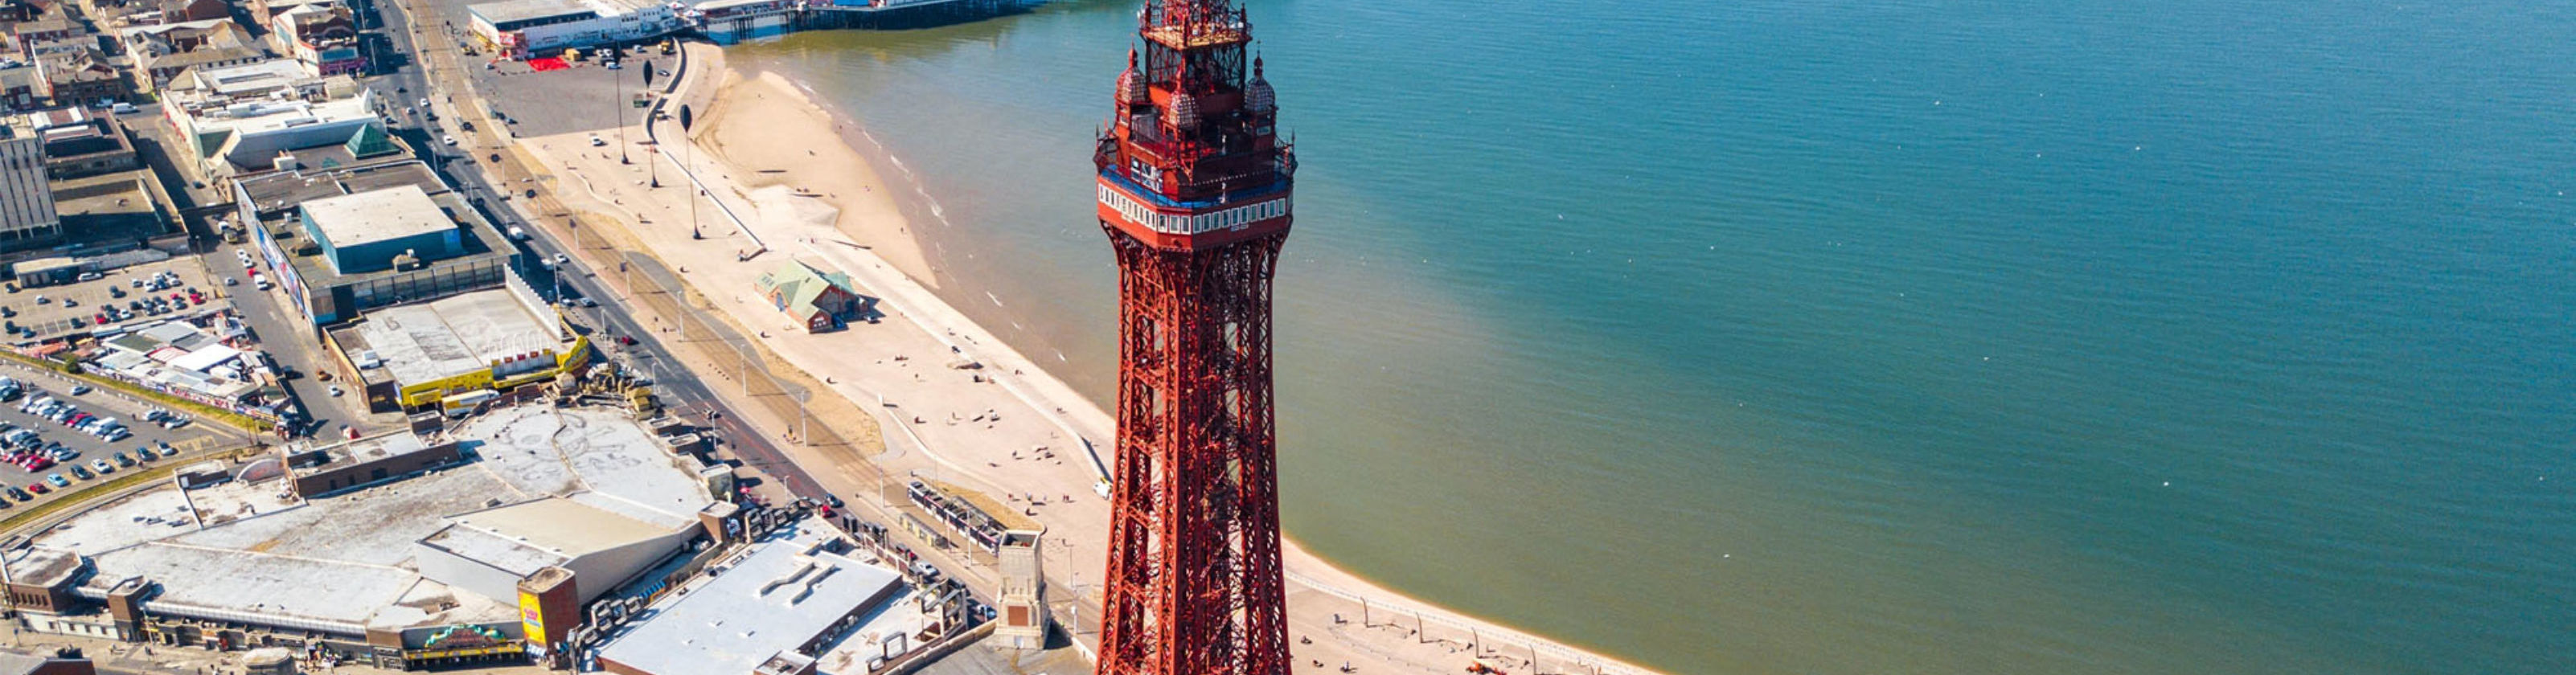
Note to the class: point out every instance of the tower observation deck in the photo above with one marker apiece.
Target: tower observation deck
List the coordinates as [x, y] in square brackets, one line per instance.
[1194, 197]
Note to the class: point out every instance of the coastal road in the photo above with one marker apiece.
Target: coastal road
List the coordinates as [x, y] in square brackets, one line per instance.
[679, 387]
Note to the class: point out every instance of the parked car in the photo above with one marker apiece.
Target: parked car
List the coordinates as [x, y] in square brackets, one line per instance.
[79, 389]
[122, 460]
[20, 495]
[39, 488]
[83, 474]
[58, 480]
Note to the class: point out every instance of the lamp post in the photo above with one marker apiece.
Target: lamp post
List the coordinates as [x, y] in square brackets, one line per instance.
[616, 107]
[652, 169]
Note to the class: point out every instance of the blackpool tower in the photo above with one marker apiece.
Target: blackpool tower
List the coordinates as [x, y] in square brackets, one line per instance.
[1194, 197]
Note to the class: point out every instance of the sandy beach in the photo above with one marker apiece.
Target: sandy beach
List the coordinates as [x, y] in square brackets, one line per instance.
[928, 392]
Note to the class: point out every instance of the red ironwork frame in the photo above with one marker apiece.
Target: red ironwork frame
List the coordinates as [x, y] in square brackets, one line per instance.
[1194, 580]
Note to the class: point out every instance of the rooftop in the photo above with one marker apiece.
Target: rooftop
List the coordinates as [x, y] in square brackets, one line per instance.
[773, 599]
[249, 79]
[43, 566]
[13, 663]
[276, 194]
[456, 335]
[521, 10]
[123, 206]
[345, 561]
[363, 450]
[529, 536]
[399, 212]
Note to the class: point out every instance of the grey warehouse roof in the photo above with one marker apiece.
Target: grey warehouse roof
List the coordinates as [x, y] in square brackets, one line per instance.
[383, 215]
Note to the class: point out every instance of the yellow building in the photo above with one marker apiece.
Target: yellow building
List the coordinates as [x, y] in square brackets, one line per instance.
[418, 356]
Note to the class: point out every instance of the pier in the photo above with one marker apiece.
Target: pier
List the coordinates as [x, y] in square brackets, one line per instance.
[734, 21]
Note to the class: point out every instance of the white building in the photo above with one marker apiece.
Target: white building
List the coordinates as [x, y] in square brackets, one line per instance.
[524, 29]
[232, 136]
[26, 202]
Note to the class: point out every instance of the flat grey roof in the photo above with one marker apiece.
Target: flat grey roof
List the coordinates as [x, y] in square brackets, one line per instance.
[779, 596]
[13, 663]
[526, 537]
[455, 335]
[43, 566]
[347, 560]
[521, 10]
[274, 193]
[383, 215]
[367, 449]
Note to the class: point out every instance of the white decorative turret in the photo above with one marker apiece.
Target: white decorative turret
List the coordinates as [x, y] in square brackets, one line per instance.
[1131, 85]
[1256, 94]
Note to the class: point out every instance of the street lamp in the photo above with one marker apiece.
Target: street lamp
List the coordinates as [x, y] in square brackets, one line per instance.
[616, 107]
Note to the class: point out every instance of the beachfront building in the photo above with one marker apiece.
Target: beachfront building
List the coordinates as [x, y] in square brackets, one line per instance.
[821, 301]
[525, 29]
[366, 266]
[731, 21]
[444, 355]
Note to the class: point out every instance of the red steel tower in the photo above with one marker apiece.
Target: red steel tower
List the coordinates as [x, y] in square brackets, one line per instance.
[1194, 197]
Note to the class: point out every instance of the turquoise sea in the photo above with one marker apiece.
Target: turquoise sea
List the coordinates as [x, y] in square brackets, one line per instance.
[1917, 336]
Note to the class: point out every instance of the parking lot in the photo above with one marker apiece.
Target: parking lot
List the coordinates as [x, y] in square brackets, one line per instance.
[140, 294]
[186, 442]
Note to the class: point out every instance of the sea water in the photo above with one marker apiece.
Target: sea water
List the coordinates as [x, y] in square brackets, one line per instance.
[1801, 336]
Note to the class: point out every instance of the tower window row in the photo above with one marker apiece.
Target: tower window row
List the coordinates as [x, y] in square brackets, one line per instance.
[1191, 223]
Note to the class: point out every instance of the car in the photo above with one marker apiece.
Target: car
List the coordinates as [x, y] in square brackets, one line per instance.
[145, 453]
[58, 480]
[562, 259]
[81, 473]
[20, 495]
[39, 488]
[102, 466]
[229, 281]
[446, 139]
[587, 302]
[122, 460]
[424, 103]
[614, 65]
[116, 434]
[37, 464]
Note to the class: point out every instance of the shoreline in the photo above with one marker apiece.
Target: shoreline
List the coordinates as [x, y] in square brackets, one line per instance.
[1306, 568]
